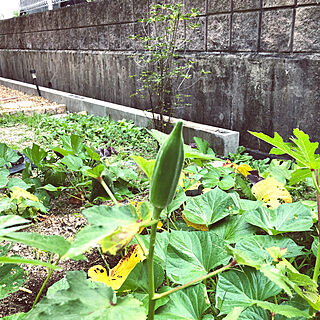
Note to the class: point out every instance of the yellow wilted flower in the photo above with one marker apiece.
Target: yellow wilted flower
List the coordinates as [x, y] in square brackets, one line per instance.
[121, 271]
[197, 226]
[277, 253]
[271, 192]
[19, 193]
[243, 168]
[143, 211]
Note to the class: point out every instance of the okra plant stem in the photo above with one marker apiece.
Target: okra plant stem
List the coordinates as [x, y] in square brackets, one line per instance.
[44, 284]
[209, 275]
[315, 178]
[156, 214]
[109, 192]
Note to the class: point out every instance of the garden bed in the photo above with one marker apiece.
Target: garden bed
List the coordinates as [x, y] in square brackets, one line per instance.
[239, 240]
[15, 101]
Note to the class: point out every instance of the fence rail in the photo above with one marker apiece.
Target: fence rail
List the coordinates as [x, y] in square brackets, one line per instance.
[31, 5]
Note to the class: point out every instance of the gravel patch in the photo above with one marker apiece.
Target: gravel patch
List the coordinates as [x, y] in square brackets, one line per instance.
[14, 99]
[17, 137]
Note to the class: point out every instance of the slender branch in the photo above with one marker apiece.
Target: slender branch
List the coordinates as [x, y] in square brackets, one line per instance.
[209, 275]
[44, 283]
[151, 288]
[109, 192]
[315, 178]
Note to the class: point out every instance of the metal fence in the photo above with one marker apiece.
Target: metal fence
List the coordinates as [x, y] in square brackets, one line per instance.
[32, 6]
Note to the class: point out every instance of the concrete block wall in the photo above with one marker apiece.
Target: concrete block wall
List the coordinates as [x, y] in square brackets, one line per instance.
[263, 55]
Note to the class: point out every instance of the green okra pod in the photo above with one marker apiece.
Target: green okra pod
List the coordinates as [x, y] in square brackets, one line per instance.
[167, 169]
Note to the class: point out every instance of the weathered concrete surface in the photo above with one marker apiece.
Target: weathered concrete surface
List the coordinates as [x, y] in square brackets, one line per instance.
[222, 141]
[307, 36]
[242, 92]
[276, 30]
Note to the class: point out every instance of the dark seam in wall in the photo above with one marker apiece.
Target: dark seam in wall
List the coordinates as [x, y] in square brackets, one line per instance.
[267, 54]
[231, 26]
[259, 28]
[230, 50]
[293, 25]
[294, 6]
[206, 28]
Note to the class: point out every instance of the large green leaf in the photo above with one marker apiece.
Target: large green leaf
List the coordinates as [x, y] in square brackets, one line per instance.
[18, 260]
[296, 302]
[254, 313]
[35, 154]
[255, 247]
[11, 275]
[104, 222]
[72, 162]
[285, 310]
[17, 182]
[9, 224]
[300, 148]
[234, 228]
[234, 314]
[161, 245]
[299, 175]
[4, 173]
[7, 155]
[138, 278]
[11, 278]
[188, 151]
[51, 243]
[187, 304]
[71, 145]
[288, 217]
[79, 298]
[209, 207]
[193, 254]
[145, 165]
[219, 177]
[287, 277]
[6, 204]
[17, 316]
[242, 289]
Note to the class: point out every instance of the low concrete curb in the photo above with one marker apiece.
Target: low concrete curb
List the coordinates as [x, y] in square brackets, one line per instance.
[221, 140]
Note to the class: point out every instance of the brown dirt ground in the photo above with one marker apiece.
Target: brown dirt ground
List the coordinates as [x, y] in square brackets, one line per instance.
[19, 96]
[64, 220]
[18, 136]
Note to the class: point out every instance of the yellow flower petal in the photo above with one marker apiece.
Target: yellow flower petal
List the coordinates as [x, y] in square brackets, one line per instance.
[19, 193]
[201, 227]
[277, 253]
[121, 271]
[271, 192]
[244, 168]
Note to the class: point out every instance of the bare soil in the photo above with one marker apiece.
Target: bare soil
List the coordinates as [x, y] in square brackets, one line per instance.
[17, 137]
[64, 220]
[10, 98]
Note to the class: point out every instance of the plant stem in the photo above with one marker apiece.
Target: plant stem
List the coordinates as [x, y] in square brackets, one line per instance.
[103, 258]
[209, 275]
[109, 192]
[144, 249]
[315, 178]
[152, 302]
[44, 283]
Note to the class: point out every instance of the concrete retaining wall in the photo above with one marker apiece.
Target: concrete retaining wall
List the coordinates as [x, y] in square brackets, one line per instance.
[263, 55]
